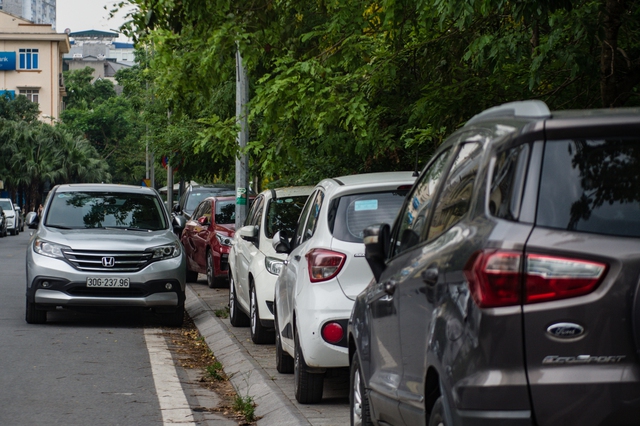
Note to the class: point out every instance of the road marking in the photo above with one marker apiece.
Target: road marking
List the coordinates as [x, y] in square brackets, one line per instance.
[173, 402]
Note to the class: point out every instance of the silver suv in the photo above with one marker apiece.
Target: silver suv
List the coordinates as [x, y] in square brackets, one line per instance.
[102, 245]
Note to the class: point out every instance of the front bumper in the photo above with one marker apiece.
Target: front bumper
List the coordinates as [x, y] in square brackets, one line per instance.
[53, 282]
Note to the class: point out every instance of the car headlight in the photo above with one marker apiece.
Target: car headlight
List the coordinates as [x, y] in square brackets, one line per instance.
[47, 248]
[273, 265]
[166, 251]
[224, 240]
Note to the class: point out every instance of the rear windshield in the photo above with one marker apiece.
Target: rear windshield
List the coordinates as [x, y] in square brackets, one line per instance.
[199, 194]
[78, 210]
[591, 186]
[356, 212]
[283, 214]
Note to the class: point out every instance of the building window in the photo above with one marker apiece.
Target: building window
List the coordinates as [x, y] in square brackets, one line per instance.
[28, 59]
[31, 94]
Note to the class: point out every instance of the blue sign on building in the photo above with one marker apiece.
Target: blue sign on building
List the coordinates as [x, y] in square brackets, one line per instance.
[7, 61]
[11, 93]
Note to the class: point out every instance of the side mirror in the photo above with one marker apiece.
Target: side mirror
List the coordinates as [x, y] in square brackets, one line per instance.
[178, 223]
[32, 220]
[376, 246]
[249, 233]
[281, 243]
[176, 208]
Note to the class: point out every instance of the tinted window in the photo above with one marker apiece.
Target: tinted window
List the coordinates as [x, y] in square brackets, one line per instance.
[226, 211]
[457, 190]
[413, 218]
[356, 212]
[105, 209]
[283, 214]
[257, 203]
[507, 181]
[302, 219]
[591, 186]
[314, 213]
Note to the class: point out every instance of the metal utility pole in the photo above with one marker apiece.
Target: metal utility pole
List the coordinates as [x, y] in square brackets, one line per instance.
[242, 161]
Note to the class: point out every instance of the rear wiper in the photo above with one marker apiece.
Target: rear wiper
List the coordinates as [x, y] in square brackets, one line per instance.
[126, 228]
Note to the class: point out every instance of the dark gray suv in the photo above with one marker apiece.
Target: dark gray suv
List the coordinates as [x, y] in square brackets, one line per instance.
[507, 291]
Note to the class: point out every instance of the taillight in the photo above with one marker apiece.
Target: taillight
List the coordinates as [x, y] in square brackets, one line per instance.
[499, 278]
[551, 278]
[324, 264]
[494, 278]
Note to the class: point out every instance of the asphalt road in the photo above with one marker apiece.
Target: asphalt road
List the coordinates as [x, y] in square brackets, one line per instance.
[77, 369]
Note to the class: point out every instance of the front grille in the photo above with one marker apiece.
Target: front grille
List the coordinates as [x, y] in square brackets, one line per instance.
[122, 261]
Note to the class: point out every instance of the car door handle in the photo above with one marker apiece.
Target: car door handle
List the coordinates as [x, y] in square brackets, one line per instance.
[296, 257]
[430, 276]
[390, 287]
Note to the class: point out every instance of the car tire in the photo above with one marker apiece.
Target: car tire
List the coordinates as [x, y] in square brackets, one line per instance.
[358, 398]
[192, 276]
[13, 232]
[211, 272]
[259, 335]
[236, 316]
[308, 386]
[437, 414]
[284, 361]
[176, 318]
[34, 315]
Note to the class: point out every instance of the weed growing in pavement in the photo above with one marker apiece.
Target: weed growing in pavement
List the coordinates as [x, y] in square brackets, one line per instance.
[245, 406]
[222, 313]
[214, 370]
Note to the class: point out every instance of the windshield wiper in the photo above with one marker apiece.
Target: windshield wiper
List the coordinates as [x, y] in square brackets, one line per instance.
[58, 226]
[126, 228]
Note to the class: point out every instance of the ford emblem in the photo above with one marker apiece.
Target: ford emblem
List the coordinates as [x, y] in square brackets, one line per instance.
[565, 330]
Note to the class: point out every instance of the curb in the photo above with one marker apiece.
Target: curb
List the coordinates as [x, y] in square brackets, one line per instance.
[246, 376]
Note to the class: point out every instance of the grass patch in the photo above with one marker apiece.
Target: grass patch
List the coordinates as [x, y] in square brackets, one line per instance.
[215, 371]
[245, 406]
[222, 313]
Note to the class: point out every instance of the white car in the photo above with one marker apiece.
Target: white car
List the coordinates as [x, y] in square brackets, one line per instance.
[253, 262]
[13, 226]
[324, 272]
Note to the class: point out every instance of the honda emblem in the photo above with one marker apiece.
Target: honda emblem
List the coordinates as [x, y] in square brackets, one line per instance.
[108, 262]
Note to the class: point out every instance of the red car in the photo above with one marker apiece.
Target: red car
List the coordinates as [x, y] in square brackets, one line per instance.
[207, 239]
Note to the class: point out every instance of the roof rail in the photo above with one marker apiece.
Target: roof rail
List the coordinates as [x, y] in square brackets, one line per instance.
[530, 109]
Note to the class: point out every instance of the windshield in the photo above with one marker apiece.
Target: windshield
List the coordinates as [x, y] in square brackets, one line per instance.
[5, 204]
[225, 211]
[78, 210]
[198, 195]
[283, 214]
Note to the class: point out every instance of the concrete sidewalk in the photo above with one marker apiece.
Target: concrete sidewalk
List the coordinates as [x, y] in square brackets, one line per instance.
[251, 367]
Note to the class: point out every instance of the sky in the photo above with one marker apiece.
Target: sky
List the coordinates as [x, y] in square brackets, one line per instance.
[81, 15]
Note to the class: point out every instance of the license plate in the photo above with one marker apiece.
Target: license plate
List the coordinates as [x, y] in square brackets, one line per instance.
[108, 282]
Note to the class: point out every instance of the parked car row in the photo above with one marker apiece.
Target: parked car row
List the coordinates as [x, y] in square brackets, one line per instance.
[501, 287]
[11, 218]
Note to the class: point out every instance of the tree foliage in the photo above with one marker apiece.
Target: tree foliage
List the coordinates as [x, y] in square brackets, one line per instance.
[348, 86]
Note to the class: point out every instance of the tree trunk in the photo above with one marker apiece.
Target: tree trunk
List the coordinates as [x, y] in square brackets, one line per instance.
[611, 76]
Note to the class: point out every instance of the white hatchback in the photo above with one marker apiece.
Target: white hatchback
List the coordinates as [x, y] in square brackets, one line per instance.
[324, 272]
[253, 262]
